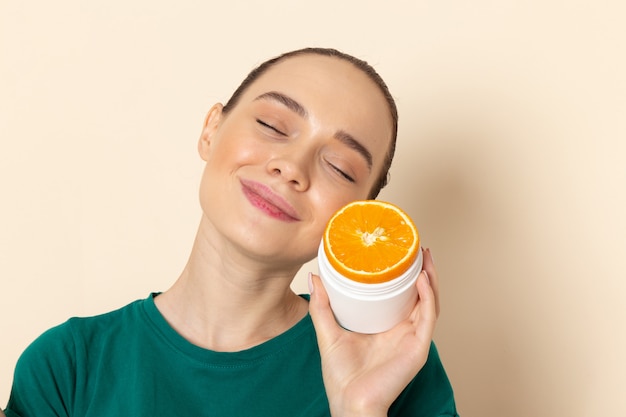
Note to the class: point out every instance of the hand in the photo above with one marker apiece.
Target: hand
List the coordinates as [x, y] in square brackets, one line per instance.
[363, 374]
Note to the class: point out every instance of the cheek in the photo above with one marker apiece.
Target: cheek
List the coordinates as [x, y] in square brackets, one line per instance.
[232, 151]
[328, 202]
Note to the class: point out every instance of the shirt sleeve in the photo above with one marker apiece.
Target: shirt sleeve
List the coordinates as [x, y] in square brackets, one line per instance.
[44, 378]
[429, 394]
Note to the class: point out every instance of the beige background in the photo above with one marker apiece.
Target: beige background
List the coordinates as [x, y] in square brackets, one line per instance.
[510, 159]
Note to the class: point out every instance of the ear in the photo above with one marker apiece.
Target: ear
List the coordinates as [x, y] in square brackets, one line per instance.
[211, 124]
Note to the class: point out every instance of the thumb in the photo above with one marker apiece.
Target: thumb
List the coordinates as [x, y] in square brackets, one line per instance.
[322, 315]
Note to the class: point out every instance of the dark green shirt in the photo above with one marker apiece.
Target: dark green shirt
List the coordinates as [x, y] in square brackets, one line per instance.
[130, 362]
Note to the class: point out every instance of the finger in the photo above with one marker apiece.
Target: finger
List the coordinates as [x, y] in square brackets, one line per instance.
[429, 267]
[326, 326]
[425, 316]
[426, 298]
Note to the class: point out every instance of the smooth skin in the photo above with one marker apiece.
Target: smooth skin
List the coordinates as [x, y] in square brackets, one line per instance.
[278, 165]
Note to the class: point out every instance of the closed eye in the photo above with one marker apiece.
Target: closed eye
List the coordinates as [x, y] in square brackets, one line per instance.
[269, 126]
[342, 173]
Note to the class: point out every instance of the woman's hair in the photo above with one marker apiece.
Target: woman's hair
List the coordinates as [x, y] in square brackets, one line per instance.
[383, 178]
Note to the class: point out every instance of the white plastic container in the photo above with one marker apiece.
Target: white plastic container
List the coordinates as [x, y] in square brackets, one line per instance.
[369, 308]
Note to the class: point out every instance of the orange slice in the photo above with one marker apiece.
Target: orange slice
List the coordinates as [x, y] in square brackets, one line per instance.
[371, 241]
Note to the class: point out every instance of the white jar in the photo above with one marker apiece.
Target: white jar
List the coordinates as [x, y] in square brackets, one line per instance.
[369, 308]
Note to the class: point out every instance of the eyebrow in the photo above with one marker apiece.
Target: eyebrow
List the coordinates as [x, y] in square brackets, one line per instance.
[348, 140]
[287, 101]
[342, 136]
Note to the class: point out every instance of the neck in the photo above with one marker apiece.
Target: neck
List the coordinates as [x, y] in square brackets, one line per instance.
[225, 303]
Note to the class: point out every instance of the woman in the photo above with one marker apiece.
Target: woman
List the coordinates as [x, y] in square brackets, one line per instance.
[305, 133]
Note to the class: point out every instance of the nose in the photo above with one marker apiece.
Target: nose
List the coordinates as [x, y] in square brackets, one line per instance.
[292, 168]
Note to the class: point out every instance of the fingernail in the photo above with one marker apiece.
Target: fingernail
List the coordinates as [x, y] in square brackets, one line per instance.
[310, 280]
[430, 255]
[426, 275]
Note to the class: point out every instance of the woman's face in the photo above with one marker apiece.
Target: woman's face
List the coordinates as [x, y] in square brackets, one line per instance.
[307, 137]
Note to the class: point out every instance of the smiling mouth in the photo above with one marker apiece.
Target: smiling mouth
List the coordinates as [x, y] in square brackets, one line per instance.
[268, 202]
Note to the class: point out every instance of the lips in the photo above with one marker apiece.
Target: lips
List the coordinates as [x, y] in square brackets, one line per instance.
[266, 200]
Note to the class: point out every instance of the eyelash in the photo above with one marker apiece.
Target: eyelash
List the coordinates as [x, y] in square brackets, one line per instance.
[343, 174]
[269, 126]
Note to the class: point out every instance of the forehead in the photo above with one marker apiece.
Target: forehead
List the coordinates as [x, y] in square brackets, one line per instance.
[336, 95]
[325, 76]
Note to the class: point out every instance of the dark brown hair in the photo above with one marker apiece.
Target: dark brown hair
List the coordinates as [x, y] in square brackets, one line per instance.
[383, 178]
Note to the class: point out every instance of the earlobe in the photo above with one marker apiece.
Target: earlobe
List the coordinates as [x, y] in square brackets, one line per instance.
[211, 124]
